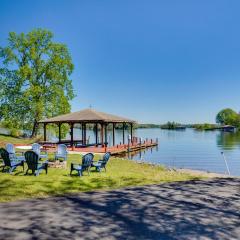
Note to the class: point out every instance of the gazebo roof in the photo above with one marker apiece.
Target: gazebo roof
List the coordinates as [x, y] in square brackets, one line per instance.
[87, 116]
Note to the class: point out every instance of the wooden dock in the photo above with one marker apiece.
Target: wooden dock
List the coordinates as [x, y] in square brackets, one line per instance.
[133, 148]
[118, 149]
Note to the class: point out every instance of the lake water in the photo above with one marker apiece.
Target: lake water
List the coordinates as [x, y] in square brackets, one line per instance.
[193, 149]
[188, 148]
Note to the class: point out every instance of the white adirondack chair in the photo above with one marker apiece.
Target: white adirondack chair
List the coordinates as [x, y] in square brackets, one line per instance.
[37, 149]
[12, 153]
[61, 152]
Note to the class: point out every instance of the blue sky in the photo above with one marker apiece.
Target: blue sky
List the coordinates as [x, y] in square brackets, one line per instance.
[152, 61]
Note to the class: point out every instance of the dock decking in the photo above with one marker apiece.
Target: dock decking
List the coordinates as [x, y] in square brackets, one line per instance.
[114, 150]
[118, 149]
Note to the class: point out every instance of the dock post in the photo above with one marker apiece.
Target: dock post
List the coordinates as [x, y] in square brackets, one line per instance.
[140, 143]
[123, 129]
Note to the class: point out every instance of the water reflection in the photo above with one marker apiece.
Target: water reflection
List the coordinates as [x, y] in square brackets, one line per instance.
[228, 140]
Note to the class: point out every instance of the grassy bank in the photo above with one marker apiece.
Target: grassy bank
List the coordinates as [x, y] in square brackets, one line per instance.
[120, 173]
[8, 139]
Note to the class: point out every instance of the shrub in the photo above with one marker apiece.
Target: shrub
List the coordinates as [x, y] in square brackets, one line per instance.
[14, 132]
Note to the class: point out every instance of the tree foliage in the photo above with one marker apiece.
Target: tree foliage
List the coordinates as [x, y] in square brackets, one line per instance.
[171, 125]
[204, 126]
[228, 116]
[34, 78]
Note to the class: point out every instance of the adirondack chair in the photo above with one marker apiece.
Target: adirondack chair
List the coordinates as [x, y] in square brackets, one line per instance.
[32, 160]
[37, 149]
[100, 164]
[61, 152]
[12, 153]
[8, 162]
[87, 161]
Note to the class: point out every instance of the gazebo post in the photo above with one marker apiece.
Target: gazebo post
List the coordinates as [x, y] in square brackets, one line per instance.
[106, 143]
[59, 132]
[82, 134]
[85, 133]
[45, 132]
[72, 125]
[96, 133]
[113, 134]
[131, 126]
[123, 133]
[102, 132]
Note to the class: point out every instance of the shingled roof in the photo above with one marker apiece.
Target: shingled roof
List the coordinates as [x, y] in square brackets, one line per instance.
[88, 116]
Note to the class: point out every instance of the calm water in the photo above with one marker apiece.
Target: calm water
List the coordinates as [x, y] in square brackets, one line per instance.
[187, 149]
[194, 149]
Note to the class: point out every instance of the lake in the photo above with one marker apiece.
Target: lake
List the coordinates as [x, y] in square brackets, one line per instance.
[188, 148]
[193, 149]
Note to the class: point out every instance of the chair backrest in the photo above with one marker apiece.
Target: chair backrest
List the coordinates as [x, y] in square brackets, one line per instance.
[62, 149]
[36, 147]
[5, 156]
[87, 160]
[10, 148]
[32, 160]
[106, 157]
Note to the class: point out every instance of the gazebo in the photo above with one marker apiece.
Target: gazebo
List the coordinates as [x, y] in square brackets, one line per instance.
[89, 116]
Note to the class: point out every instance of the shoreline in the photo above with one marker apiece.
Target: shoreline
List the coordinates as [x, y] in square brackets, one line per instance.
[195, 172]
[204, 173]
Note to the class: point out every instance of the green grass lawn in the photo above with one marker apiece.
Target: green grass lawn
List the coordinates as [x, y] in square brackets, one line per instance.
[120, 173]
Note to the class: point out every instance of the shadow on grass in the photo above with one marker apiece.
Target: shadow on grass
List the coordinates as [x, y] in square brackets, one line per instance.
[182, 210]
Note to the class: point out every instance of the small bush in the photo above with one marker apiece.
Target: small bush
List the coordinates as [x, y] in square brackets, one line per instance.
[14, 132]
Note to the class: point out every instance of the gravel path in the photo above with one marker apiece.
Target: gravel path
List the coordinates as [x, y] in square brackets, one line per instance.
[186, 210]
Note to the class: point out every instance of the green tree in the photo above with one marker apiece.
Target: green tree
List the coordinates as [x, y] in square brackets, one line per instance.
[34, 79]
[228, 116]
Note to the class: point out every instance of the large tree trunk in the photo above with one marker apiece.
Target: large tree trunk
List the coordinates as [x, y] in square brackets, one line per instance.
[34, 130]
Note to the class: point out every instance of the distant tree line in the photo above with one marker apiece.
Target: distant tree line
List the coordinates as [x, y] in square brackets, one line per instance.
[204, 126]
[224, 117]
[172, 126]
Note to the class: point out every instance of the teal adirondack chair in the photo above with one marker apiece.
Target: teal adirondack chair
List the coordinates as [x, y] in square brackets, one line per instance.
[9, 162]
[32, 160]
[101, 164]
[87, 161]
